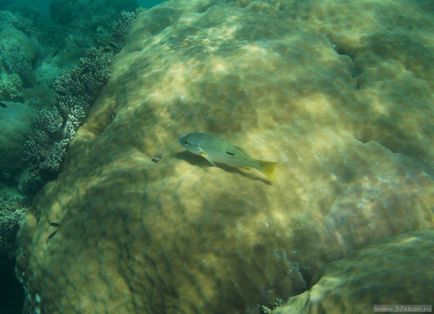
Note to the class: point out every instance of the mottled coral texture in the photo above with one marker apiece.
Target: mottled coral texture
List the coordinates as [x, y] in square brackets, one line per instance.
[338, 92]
[11, 215]
[395, 272]
[18, 52]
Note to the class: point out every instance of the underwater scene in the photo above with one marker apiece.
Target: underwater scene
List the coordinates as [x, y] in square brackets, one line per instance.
[216, 156]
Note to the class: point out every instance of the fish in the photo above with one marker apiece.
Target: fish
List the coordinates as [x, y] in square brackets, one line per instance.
[218, 150]
[51, 235]
[157, 158]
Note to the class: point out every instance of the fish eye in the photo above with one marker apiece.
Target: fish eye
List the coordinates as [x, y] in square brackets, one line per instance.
[185, 142]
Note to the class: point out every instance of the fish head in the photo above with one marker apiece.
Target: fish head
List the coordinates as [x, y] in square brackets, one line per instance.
[189, 143]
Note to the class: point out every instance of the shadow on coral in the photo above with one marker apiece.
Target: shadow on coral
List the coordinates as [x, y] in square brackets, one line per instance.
[203, 163]
[11, 292]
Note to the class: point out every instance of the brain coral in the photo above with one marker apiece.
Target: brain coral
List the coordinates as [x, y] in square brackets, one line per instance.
[309, 84]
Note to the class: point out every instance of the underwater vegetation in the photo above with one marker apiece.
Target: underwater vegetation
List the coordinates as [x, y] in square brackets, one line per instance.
[56, 103]
[56, 125]
[51, 72]
[39, 129]
[37, 138]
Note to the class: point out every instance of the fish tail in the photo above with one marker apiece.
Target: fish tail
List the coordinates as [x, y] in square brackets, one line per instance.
[268, 168]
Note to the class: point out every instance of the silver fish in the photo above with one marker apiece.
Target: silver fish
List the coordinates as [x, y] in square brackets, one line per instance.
[218, 150]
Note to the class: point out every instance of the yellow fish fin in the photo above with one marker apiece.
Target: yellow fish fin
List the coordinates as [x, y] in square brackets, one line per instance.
[268, 168]
[205, 155]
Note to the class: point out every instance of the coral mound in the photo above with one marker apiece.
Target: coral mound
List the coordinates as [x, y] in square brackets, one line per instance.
[335, 97]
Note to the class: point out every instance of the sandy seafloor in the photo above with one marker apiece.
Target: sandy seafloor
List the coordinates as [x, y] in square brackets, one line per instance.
[339, 93]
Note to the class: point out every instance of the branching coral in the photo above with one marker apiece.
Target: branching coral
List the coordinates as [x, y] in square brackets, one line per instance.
[54, 128]
[10, 87]
[47, 127]
[8, 20]
[11, 214]
[80, 86]
[15, 61]
[17, 56]
[121, 28]
[76, 90]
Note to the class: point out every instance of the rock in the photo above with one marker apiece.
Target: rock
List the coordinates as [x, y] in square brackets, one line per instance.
[180, 236]
[396, 272]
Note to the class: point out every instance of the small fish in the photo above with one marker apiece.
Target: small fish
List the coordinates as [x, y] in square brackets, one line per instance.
[51, 235]
[218, 150]
[3, 105]
[157, 158]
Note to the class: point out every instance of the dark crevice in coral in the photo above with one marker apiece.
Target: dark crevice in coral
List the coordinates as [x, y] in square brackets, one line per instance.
[356, 71]
[307, 276]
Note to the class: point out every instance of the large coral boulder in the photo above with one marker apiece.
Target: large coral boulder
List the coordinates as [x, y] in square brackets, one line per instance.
[311, 85]
[395, 273]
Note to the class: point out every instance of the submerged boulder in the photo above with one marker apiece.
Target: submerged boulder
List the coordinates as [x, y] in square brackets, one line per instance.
[397, 272]
[181, 236]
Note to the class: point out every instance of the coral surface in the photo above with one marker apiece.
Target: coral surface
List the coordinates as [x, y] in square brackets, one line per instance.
[339, 93]
[396, 272]
[11, 215]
